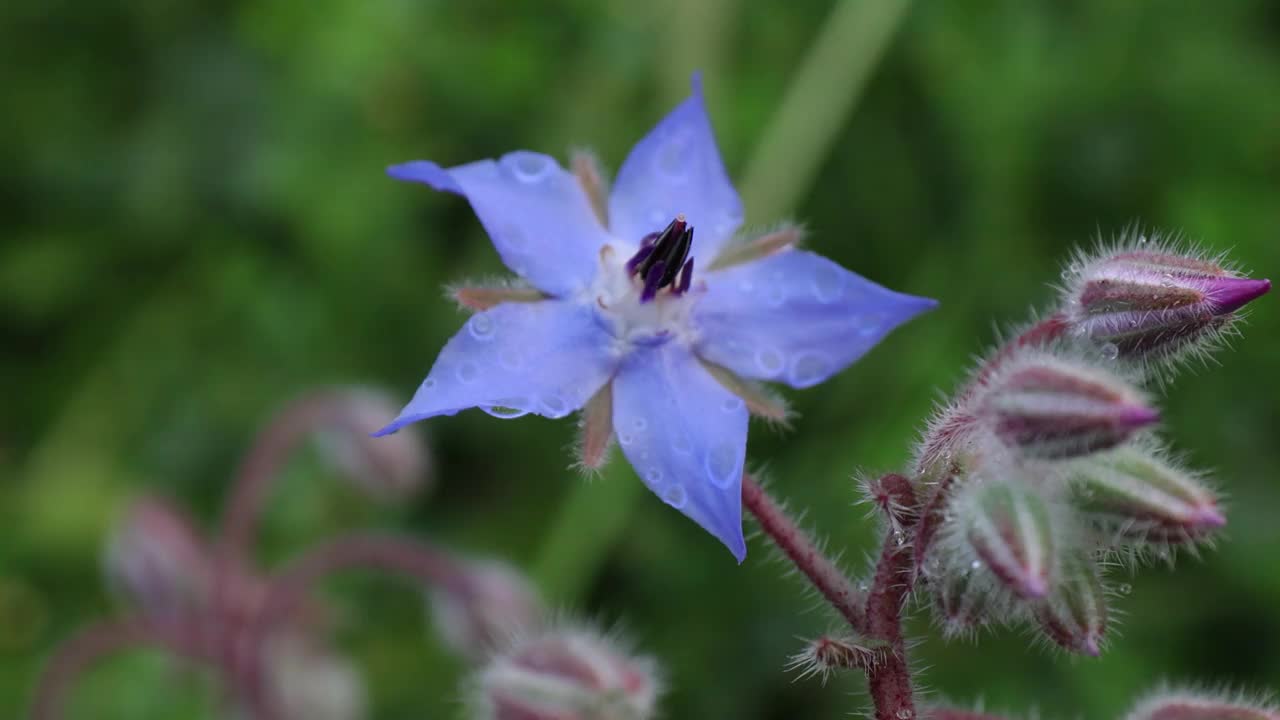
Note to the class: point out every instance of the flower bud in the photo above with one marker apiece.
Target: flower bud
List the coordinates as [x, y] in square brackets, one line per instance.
[490, 603]
[392, 467]
[962, 603]
[309, 682]
[1050, 408]
[1137, 495]
[1075, 615]
[1009, 529]
[1151, 304]
[156, 559]
[1182, 705]
[567, 675]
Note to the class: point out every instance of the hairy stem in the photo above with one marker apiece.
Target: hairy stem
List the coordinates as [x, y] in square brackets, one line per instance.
[804, 553]
[97, 641]
[890, 681]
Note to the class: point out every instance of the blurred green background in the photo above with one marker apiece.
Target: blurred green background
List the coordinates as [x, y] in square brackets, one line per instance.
[196, 228]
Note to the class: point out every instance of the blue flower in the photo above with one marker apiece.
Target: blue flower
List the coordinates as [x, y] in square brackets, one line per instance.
[624, 308]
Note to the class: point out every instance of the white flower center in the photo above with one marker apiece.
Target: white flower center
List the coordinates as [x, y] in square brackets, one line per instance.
[615, 294]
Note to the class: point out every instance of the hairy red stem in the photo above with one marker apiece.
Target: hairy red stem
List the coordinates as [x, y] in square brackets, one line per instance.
[804, 553]
[890, 681]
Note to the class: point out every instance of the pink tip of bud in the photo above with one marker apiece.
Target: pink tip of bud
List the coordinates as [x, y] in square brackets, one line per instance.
[1090, 647]
[1138, 416]
[490, 603]
[157, 559]
[1231, 294]
[388, 468]
[1034, 587]
[1208, 518]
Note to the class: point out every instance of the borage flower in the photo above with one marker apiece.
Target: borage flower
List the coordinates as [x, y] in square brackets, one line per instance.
[666, 347]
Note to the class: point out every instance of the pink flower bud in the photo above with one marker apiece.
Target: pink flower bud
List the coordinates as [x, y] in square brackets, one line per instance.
[1075, 615]
[490, 603]
[1150, 304]
[1009, 531]
[1052, 408]
[567, 675]
[392, 467]
[1183, 705]
[156, 559]
[1135, 494]
[307, 681]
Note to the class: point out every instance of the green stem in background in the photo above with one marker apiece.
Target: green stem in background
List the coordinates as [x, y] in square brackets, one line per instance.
[592, 517]
[817, 104]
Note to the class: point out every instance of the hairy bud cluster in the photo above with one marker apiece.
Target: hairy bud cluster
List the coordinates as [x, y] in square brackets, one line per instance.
[1043, 467]
[567, 674]
[1189, 705]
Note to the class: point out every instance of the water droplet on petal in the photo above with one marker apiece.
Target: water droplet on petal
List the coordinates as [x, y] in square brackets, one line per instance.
[653, 475]
[828, 284]
[732, 404]
[1110, 351]
[467, 372]
[722, 465]
[809, 368]
[429, 384]
[682, 445]
[481, 327]
[626, 438]
[675, 496]
[510, 359]
[769, 361]
[528, 167]
[975, 565]
[507, 408]
[640, 424]
[671, 158]
[554, 405]
[775, 294]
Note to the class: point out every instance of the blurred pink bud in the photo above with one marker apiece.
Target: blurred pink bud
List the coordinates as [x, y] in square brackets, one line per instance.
[491, 603]
[1010, 531]
[567, 675]
[1183, 705]
[1075, 615]
[1138, 495]
[390, 468]
[1051, 408]
[155, 558]
[1151, 304]
[309, 682]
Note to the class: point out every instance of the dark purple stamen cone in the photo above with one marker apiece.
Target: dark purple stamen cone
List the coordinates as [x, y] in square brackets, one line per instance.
[663, 259]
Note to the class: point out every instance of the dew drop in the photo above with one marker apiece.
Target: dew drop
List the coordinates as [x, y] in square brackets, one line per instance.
[528, 167]
[653, 475]
[828, 284]
[640, 424]
[511, 235]
[671, 158]
[809, 368]
[775, 294]
[731, 404]
[510, 359]
[507, 408]
[467, 372]
[1142, 239]
[975, 565]
[682, 445]
[905, 714]
[429, 384]
[554, 405]
[481, 327]
[1125, 589]
[722, 465]
[626, 438]
[769, 361]
[1110, 351]
[675, 496]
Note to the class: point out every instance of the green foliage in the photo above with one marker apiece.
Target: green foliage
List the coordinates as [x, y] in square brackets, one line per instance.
[196, 227]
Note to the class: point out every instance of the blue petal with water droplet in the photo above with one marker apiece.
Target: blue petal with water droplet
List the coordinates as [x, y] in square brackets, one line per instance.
[536, 214]
[674, 169]
[795, 317]
[546, 358]
[685, 435]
